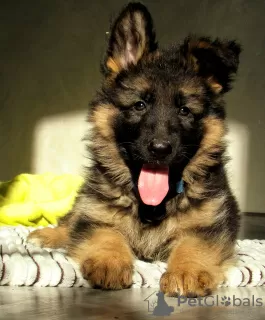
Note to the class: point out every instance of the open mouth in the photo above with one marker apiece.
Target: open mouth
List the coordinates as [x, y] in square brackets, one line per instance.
[153, 183]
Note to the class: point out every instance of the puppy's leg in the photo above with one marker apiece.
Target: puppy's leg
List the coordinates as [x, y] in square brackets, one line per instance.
[105, 258]
[194, 268]
[50, 237]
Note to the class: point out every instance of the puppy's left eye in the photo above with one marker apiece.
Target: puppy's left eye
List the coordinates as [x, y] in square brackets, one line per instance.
[139, 106]
[184, 111]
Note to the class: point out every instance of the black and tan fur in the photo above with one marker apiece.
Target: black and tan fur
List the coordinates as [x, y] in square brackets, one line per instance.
[182, 90]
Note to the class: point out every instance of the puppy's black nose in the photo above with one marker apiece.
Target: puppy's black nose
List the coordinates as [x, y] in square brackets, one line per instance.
[160, 149]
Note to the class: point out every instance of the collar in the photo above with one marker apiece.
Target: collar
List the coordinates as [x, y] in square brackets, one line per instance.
[180, 186]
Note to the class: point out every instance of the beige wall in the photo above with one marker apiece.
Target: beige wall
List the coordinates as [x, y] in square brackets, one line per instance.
[49, 59]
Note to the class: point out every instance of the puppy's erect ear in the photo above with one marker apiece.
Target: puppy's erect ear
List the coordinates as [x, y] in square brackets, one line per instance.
[216, 61]
[132, 37]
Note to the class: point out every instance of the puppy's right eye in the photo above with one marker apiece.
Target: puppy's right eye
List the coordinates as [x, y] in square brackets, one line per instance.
[139, 106]
[184, 111]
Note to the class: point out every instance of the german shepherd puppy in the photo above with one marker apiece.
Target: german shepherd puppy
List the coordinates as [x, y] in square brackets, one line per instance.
[156, 188]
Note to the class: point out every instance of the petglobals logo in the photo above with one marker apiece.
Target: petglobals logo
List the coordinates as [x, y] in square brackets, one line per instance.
[226, 301]
[158, 306]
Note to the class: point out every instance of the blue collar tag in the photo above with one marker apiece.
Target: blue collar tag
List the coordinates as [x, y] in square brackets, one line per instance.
[180, 186]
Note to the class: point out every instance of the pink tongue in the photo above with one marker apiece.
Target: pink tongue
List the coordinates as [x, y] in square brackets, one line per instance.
[153, 184]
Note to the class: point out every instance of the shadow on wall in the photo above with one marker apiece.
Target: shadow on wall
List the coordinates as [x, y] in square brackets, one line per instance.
[50, 70]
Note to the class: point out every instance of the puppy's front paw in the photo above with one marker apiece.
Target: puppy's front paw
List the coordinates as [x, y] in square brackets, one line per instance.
[190, 283]
[46, 238]
[108, 272]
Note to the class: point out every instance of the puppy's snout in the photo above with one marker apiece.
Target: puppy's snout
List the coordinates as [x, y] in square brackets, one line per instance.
[160, 148]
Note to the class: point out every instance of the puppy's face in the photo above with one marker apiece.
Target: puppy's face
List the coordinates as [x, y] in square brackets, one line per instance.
[160, 111]
[162, 98]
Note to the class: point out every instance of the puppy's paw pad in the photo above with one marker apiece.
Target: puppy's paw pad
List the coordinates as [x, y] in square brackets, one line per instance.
[190, 284]
[111, 274]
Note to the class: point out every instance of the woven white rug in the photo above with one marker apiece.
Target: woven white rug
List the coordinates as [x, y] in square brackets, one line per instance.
[23, 264]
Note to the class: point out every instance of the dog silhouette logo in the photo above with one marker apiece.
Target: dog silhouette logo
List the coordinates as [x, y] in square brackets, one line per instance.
[162, 308]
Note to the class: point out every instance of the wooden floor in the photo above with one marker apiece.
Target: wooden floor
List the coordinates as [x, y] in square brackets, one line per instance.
[81, 303]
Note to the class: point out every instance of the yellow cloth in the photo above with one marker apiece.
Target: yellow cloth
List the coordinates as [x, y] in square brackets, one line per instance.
[37, 200]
